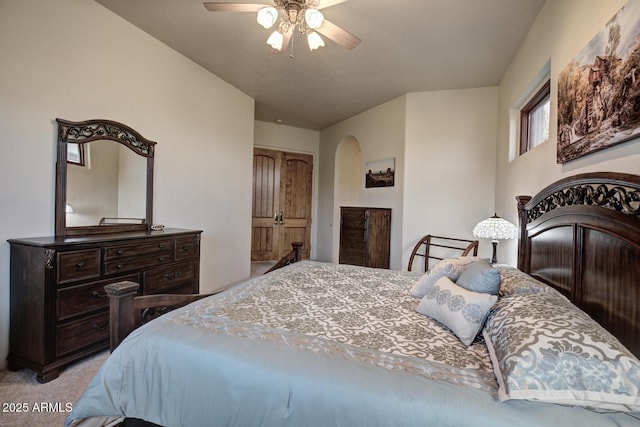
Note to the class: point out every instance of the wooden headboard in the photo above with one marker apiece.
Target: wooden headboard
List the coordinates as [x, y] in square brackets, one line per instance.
[581, 235]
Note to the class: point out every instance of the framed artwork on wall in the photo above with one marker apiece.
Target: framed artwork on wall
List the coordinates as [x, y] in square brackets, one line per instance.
[381, 173]
[599, 90]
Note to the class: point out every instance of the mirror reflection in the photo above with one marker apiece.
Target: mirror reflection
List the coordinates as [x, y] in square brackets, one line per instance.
[110, 183]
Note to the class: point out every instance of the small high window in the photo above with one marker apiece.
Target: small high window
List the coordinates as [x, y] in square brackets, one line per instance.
[534, 119]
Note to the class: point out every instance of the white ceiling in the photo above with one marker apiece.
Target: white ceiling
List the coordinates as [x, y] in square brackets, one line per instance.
[407, 46]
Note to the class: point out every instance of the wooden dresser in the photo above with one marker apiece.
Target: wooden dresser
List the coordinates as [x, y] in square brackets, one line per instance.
[365, 236]
[59, 309]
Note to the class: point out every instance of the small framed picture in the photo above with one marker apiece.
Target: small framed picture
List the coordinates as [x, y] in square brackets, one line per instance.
[381, 173]
[75, 154]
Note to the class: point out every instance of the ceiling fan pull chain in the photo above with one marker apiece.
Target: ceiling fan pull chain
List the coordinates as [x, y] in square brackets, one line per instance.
[293, 36]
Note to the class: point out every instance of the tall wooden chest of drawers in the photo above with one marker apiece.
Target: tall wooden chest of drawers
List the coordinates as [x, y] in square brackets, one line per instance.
[59, 309]
[365, 236]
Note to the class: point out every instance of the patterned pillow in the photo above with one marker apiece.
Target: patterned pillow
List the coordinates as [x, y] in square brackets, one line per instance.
[460, 310]
[480, 277]
[451, 268]
[517, 282]
[545, 348]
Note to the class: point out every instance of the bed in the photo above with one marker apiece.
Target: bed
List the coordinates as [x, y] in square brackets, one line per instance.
[318, 344]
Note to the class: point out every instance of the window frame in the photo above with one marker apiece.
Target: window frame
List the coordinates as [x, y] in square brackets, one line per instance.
[536, 100]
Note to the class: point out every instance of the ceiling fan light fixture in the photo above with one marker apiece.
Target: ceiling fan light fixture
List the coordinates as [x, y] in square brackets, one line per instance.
[292, 10]
[314, 40]
[275, 40]
[314, 18]
[267, 16]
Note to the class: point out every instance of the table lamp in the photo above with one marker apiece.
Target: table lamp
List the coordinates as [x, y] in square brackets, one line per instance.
[495, 228]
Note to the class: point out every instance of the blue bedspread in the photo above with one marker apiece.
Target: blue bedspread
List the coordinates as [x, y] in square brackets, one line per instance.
[312, 344]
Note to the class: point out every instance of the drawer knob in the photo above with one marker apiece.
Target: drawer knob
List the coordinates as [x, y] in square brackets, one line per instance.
[171, 276]
[97, 327]
[119, 266]
[161, 246]
[185, 248]
[119, 252]
[99, 294]
[80, 265]
[161, 259]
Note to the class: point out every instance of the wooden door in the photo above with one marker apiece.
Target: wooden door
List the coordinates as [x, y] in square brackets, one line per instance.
[282, 191]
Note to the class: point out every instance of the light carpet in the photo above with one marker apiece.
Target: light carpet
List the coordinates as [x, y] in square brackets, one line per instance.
[26, 402]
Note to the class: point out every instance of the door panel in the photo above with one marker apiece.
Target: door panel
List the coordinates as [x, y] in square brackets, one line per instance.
[295, 195]
[266, 183]
[282, 193]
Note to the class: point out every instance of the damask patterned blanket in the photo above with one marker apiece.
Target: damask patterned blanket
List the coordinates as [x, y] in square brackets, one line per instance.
[312, 344]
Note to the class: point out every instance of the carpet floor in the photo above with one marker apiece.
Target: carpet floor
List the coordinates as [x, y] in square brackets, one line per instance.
[26, 402]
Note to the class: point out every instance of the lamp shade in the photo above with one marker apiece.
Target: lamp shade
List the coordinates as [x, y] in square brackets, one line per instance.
[314, 18]
[275, 40]
[315, 41]
[495, 228]
[267, 16]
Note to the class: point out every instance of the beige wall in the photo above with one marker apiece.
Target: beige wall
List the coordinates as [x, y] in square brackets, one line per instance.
[561, 30]
[73, 59]
[450, 153]
[286, 138]
[444, 146]
[380, 134]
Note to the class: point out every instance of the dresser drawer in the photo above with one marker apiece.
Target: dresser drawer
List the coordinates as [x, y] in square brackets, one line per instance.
[162, 280]
[140, 249]
[82, 333]
[85, 298]
[185, 248]
[78, 265]
[130, 264]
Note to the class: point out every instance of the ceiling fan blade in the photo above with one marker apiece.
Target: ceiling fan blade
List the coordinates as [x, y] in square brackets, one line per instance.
[329, 3]
[338, 35]
[232, 7]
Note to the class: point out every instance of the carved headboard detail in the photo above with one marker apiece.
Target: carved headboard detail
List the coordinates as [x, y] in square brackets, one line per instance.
[605, 191]
[581, 235]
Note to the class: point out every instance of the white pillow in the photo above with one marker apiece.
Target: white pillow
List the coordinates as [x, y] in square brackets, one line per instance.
[451, 268]
[460, 310]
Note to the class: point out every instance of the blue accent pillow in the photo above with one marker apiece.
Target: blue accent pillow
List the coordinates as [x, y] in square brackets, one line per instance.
[480, 277]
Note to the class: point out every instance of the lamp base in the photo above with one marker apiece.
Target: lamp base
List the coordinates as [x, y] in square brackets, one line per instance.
[494, 258]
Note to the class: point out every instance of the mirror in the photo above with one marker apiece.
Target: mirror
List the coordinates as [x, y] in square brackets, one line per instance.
[104, 178]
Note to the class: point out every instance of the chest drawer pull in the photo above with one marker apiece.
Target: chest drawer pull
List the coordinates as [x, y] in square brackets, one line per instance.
[185, 248]
[160, 246]
[119, 266]
[80, 265]
[171, 276]
[161, 259]
[119, 252]
[99, 294]
[100, 328]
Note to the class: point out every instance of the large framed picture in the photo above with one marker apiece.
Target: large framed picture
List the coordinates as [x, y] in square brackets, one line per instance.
[599, 90]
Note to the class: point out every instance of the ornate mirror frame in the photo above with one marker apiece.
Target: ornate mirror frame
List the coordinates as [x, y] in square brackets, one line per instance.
[93, 130]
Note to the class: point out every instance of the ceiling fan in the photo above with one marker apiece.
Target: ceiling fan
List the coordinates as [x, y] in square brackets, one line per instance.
[289, 15]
